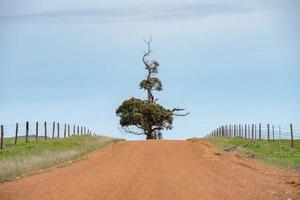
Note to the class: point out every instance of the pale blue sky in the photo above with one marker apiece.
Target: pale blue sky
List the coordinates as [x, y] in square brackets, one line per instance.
[225, 61]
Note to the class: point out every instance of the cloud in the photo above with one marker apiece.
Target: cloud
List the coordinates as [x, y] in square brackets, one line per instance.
[134, 13]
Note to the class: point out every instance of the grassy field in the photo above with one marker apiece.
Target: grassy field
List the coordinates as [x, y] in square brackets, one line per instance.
[279, 152]
[25, 158]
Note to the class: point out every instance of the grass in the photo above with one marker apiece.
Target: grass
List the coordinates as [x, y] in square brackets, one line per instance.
[28, 157]
[279, 152]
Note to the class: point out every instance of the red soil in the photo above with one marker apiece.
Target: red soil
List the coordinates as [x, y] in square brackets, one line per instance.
[147, 170]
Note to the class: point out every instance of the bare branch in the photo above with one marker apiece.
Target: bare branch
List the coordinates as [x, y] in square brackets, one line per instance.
[148, 43]
[157, 128]
[178, 109]
[135, 133]
[181, 115]
[147, 53]
[138, 126]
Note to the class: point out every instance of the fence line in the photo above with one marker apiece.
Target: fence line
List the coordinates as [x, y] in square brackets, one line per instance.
[37, 131]
[254, 132]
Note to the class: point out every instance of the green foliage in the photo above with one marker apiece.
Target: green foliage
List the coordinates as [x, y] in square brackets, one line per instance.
[144, 115]
[152, 83]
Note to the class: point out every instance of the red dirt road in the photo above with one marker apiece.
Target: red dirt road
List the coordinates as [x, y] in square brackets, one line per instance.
[155, 170]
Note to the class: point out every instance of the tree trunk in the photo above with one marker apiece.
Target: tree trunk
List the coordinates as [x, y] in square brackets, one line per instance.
[150, 137]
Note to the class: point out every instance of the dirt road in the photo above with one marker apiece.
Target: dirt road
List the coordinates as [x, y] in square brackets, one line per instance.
[145, 170]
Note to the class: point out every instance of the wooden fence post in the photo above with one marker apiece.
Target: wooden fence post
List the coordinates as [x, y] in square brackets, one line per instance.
[227, 130]
[234, 132]
[249, 132]
[292, 135]
[242, 130]
[245, 131]
[17, 130]
[58, 129]
[279, 131]
[268, 129]
[2, 136]
[36, 131]
[27, 131]
[53, 130]
[259, 131]
[65, 130]
[273, 132]
[45, 126]
[74, 129]
[255, 131]
[68, 130]
[252, 135]
[222, 130]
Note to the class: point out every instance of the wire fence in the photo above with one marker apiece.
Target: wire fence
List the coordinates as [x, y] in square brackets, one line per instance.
[267, 132]
[12, 133]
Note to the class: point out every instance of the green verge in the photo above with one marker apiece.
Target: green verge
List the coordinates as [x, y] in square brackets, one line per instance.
[28, 157]
[279, 152]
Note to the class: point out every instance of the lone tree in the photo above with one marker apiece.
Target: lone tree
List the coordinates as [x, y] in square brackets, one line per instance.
[147, 117]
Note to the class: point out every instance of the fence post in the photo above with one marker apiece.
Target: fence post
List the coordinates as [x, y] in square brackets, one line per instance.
[241, 130]
[17, 130]
[259, 131]
[249, 132]
[222, 130]
[74, 129]
[27, 131]
[81, 130]
[36, 131]
[273, 132]
[58, 129]
[65, 130]
[252, 135]
[268, 129]
[53, 130]
[255, 131]
[45, 126]
[2, 135]
[245, 131]
[279, 132]
[235, 130]
[292, 135]
[68, 130]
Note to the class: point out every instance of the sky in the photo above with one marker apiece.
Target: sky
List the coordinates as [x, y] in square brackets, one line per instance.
[224, 61]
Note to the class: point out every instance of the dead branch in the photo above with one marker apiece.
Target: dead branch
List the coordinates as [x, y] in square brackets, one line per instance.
[147, 53]
[127, 130]
[178, 114]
